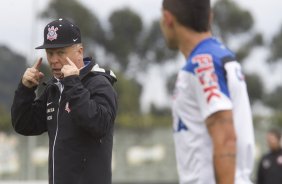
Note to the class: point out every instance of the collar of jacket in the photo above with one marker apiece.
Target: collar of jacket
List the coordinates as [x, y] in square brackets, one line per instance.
[88, 65]
[109, 74]
[93, 68]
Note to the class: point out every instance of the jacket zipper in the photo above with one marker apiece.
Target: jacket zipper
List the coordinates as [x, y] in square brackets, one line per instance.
[56, 134]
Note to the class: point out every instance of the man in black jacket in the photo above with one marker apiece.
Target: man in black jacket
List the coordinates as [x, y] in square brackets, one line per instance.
[270, 166]
[77, 109]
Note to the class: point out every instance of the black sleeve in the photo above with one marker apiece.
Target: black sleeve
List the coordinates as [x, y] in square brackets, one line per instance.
[260, 179]
[94, 108]
[28, 114]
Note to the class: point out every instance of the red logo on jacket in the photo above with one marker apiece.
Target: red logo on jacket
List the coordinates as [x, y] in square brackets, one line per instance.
[67, 108]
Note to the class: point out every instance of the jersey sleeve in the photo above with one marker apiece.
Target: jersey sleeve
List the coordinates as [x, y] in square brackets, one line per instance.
[212, 91]
[236, 82]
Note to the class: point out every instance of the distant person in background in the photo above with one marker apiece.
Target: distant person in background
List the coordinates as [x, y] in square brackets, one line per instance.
[213, 129]
[77, 109]
[270, 166]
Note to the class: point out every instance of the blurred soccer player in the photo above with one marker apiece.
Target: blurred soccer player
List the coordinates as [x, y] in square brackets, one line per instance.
[213, 135]
[270, 166]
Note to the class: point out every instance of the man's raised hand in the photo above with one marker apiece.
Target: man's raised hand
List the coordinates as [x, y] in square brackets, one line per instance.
[69, 69]
[32, 76]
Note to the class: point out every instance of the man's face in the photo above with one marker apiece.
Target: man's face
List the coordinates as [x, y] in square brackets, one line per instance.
[166, 24]
[272, 141]
[57, 58]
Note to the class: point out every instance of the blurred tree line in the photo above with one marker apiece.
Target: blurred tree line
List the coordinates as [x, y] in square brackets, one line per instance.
[131, 48]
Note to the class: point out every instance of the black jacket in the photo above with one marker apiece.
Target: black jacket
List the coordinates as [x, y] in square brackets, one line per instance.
[270, 168]
[79, 122]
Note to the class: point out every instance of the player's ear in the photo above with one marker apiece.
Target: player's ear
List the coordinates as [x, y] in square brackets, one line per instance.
[168, 18]
[80, 51]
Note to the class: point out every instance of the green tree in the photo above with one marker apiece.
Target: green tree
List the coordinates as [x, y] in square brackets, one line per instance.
[276, 119]
[128, 94]
[255, 87]
[152, 48]
[12, 68]
[128, 91]
[11, 71]
[125, 29]
[273, 99]
[245, 49]
[231, 19]
[5, 120]
[276, 47]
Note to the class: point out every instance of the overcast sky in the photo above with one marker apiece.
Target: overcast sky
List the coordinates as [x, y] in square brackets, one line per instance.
[18, 29]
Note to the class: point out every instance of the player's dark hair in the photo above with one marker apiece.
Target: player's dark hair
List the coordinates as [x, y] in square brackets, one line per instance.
[190, 13]
[276, 133]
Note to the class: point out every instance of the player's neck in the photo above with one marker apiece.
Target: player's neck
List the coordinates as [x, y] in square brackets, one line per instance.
[276, 148]
[189, 39]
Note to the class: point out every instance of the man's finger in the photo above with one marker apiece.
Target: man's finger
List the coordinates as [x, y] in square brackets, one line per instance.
[32, 80]
[70, 62]
[37, 64]
[41, 75]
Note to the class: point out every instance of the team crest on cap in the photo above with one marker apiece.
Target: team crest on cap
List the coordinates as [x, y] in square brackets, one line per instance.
[52, 34]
